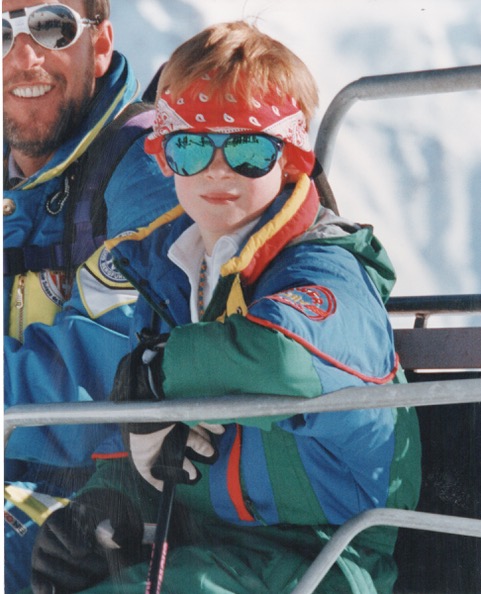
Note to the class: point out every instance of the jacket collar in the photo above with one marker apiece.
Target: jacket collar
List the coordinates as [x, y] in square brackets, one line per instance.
[117, 88]
[291, 214]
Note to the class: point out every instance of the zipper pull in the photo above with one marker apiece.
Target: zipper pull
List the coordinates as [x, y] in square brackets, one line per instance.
[19, 302]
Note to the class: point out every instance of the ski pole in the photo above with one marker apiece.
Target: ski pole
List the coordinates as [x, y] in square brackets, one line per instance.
[160, 546]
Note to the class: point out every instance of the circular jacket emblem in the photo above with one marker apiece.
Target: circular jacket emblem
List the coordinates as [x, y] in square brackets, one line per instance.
[107, 268]
[317, 303]
[55, 286]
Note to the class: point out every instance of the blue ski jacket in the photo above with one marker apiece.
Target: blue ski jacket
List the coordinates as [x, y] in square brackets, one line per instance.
[59, 347]
[298, 311]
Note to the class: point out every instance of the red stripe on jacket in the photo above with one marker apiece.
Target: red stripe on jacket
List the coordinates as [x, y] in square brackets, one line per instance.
[312, 349]
[233, 478]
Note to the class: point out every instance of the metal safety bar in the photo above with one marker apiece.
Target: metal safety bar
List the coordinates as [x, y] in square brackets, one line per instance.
[389, 86]
[381, 517]
[229, 407]
[260, 405]
[428, 305]
[423, 307]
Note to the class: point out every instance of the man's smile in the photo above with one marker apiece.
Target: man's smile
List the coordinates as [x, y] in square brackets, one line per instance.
[27, 92]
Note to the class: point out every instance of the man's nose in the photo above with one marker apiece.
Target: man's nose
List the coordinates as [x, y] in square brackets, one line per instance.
[26, 53]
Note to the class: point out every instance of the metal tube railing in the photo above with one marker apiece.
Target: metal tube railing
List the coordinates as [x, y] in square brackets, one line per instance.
[392, 395]
[388, 86]
[229, 407]
[435, 304]
[381, 517]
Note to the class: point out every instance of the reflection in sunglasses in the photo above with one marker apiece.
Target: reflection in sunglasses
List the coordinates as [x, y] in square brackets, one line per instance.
[53, 27]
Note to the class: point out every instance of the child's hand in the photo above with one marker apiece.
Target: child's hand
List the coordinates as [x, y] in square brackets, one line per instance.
[168, 453]
[139, 374]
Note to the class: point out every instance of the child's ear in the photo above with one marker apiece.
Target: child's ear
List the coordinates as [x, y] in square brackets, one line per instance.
[290, 172]
[103, 47]
[166, 170]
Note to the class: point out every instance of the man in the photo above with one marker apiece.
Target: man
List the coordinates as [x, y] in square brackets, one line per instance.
[63, 83]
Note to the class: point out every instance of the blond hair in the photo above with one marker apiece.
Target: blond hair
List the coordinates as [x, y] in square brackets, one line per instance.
[238, 57]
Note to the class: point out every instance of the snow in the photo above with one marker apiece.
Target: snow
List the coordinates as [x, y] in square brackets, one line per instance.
[411, 167]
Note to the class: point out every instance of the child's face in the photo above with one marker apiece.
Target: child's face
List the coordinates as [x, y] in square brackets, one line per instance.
[222, 201]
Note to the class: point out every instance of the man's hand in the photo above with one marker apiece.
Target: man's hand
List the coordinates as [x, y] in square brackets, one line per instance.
[67, 555]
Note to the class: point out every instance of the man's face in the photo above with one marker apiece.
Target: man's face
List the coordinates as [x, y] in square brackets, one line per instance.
[45, 92]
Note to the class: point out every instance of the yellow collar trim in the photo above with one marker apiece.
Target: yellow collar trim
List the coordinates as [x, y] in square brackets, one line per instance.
[79, 150]
[243, 260]
[144, 232]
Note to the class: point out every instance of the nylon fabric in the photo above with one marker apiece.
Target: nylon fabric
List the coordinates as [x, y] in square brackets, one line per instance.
[65, 356]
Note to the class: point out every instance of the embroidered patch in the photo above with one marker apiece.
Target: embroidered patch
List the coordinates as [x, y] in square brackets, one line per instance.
[107, 268]
[317, 303]
[12, 521]
[55, 286]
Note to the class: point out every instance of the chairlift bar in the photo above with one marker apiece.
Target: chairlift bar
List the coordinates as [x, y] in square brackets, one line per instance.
[429, 305]
[381, 517]
[229, 407]
[388, 86]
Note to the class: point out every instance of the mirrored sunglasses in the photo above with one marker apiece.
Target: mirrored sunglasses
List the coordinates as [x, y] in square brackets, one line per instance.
[53, 26]
[250, 155]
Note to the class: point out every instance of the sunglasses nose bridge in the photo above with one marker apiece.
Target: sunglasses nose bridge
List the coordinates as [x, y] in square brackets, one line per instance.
[18, 40]
[219, 161]
[18, 25]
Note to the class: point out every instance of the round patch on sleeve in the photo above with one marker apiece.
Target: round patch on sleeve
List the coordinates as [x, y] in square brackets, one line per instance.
[107, 268]
[316, 303]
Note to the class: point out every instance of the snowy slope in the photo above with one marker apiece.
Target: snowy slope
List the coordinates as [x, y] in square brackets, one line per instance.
[411, 167]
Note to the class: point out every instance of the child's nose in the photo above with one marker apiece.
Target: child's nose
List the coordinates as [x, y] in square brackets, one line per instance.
[218, 166]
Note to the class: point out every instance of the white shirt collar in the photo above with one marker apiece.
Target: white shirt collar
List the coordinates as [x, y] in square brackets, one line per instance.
[188, 251]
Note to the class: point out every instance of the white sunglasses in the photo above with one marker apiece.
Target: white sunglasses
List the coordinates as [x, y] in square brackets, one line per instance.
[53, 26]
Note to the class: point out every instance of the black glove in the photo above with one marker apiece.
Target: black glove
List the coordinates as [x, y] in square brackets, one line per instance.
[139, 376]
[67, 554]
[159, 451]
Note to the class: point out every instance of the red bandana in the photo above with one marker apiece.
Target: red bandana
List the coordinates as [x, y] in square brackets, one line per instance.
[198, 111]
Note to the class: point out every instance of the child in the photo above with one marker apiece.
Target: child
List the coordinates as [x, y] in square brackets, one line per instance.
[251, 286]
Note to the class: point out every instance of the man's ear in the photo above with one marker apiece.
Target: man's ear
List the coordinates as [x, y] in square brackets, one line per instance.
[103, 47]
[166, 170]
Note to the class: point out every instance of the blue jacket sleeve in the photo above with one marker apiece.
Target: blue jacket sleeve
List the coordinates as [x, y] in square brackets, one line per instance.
[75, 359]
[65, 362]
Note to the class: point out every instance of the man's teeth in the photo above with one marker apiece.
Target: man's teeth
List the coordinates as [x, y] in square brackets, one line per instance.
[36, 91]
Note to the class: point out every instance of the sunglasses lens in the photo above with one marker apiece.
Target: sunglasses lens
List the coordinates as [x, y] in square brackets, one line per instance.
[188, 154]
[7, 36]
[53, 26]
[251, 155]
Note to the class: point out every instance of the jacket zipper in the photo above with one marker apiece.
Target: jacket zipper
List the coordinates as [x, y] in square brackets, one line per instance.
[20, 306]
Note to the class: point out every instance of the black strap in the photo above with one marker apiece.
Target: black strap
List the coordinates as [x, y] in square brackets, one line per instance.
[86, 216]
[324, 189]
[86, 220]
[33, 257]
